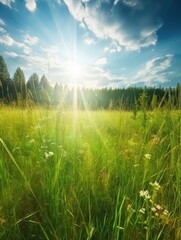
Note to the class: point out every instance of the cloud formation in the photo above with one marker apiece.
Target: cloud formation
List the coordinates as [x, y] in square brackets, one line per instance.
[89, 41]
[30, 5]
[11, 54]
[7, 2]
[31, 40]
[7, 40]
[155, 71]
[2, 23]
[101, 61]
[130, 24]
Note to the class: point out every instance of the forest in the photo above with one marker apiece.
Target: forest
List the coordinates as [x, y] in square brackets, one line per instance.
[18, 91]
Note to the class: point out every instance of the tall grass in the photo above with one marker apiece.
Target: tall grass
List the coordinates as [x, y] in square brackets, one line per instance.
[89, 175]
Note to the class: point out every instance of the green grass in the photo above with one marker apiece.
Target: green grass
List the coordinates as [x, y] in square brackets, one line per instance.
[71, 176]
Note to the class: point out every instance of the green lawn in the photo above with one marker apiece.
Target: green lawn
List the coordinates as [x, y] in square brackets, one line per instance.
[89, 175]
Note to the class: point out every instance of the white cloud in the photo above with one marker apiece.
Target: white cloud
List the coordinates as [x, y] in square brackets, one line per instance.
[10, 42]
[113, 48]
[6, 40]
[89, 41]
[7, 2]
[37, 62]
[31, 40]
[2, 23]
[101, 61]
[155, 71]
[131, 3]
[26, 49]
[30, 5]
[97, 77]
[53, 50]
[11, 54]
[131, 24]
[2, 30]
[116, 1]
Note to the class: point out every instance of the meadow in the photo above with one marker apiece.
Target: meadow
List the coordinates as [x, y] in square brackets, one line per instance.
[75, 175]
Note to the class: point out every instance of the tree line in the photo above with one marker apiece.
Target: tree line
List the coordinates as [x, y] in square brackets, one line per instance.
[37, 91]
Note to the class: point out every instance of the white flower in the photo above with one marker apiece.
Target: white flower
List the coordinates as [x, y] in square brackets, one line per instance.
[48, 154]
[165, 212]
[153, 209]
[147, 156]
[158, 207]
[142, 210]
[136, 165]
[145, 194]
[155, 185]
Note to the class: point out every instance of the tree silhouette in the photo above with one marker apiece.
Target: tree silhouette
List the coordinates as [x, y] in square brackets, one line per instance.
[4, 79]
[45, 90]
[33, 87]
[19, 84]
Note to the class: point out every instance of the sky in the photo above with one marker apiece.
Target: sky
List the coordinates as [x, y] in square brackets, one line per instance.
[94, 43]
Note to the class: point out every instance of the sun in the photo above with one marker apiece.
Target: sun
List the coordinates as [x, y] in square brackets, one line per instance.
[75, 70]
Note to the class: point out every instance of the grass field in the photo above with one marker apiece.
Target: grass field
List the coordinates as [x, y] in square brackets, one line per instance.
[89, 175]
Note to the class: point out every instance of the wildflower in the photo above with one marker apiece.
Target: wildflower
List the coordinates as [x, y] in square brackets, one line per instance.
[158, 207]
[129, 207]
[142, 210]
[165, 212]
[155, 185]
[151, 201]
[145, 194]
[136, 165]
[147, 156]
[153, 209]
[48, 154]
[155, 139]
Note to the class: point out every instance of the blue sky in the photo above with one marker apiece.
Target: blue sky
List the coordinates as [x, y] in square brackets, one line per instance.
[97, 43]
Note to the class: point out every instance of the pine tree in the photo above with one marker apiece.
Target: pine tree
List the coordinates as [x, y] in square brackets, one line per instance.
[33, 86]
[19, 83]
[4, 78]
[178, 96]
[45, 90]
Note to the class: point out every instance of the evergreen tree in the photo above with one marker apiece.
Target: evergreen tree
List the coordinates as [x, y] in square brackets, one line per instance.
[4, 78]
[33, 86]
[45, 90]
[19, 83]
[57, 94]
[178, 96]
